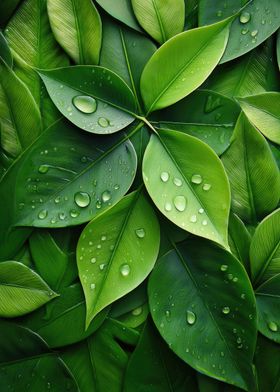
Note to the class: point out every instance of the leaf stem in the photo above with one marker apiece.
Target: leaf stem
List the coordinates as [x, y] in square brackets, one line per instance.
[147, 122]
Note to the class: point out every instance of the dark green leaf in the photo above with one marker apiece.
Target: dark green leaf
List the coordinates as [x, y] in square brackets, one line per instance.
[215, 11]
[5, 52]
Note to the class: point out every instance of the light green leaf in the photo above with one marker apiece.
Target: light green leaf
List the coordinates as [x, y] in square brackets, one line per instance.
[253, 173]
[258, 20]
[117, 251]
[21, 290]
[19, 115]
[162, 19]
[188, 184]
[93, 98]
[263, 111]
[186, 66]
[203, 305]
[265, 249]
[239, 240]
[77, 27]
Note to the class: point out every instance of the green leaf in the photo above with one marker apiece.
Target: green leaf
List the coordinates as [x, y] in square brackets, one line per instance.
[203, 305]
[5, 52]
[239, 240]
[27, 364]
[125, 52]
[62, 321]
[122, 11]
[268, 302]
[153, 364]
[257, 21]
[98, 363]
[186, 66]
[93, 98]
[209, 116]
[186, 184]
[212, 12]
[21, 289]
[278, 49]
[19, 114]
[263, 112]
[65, 178]
[77, 27]
[161, 19]
[253, 173]
[191, 14]
[117, 251]
[265, 249]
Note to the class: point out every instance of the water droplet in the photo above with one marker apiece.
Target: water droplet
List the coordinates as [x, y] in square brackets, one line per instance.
[219, 13]
[167, 314]
[74, 213]
[82, 199]
[102, 266]
[244, 31]
[196, 179]
[180, 203]
[177, 181]
[244, 17]
[201, 210]
[243, 296]
[92, 286]
[164, 176]
[137, 311]
[168, 206]
[125, 270]
[98, 204]
[85, 104]
[191, 317]
[224, 267]
[103, 238]
[103, 122]
[193, 218]
[226, 310]
[43, 169]
[272, 326]
[140, 233]
[62, 215]
[106, 196]
[204, 222]
[43, 214]
[84, 159]
[230, 276]
[206, 187]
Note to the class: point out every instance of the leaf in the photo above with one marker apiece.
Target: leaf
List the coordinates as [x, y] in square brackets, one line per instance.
[27, 364]
[191, 11]
[258, 20]
[278, 49]
[93, 98]
[203, 305]
[263, 112]
[153, 364]
[77, 27]
[268, 301]
[265, 249]
[253, 173]
[239, 240]
[98, 362]
[5, 52]
[117, 251]
[7, 7]
[185, 66]
[209, 116]
[64, 179]
[125, 52]
[212, 12]
[186, 184]
[19, 114]
[121, 10]
[161, 19]
[62, 321]
[21, 289]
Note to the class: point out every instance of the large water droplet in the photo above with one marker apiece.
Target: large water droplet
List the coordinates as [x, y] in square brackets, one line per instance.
[106, 196]
[164, 176]
[196, 179]
[43, 169]
[85, 104]
[140, 233]
[103, 122]
[191, 317]
[82, 199]
[244, 17]
[125, 270]
[177, 181]
[226, 310]
[272, 326]
[180, 203]
[43, 214]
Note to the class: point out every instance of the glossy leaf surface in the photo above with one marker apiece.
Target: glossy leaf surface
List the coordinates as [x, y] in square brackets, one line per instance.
[122, 11]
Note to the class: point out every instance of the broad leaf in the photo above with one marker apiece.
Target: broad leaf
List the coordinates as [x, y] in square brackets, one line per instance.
[239, 240]
[253, 173]
[186, 184]
[5, 52]
[153, 364]
[27, 364]
[162, 19]
[19, 115]
[263, 111]
[77, 27]
[265, 249]
[21, 290]
[212, 12]
[268, 302]
[257, 21]
[93, 98]
[62, 321]
[186, 66]
[203, 305]
[117, 251]
[65, 178]
[204, 114]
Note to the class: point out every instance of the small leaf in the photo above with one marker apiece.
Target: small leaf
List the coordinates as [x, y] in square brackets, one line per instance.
[117, 251]
[263, 112]
[162, 19]
[21, 290]
[188, 185]
[93, 98]
[203, 305]
[77, 27]
[186, 66]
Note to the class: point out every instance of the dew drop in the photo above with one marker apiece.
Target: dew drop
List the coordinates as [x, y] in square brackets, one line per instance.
[196, 179]
[204, 222]
[103, 122]
[272, 326]
[244, 31]
[93, 260]
[193, 218]
[226, 310]
[180, 203]
[106, 196]
[140, 233]
[102, 266]
[168, 206]
[61, 215]
[177, 181]
[74, 213]
[43, 169]
[85, 104]
[103, 238]
[201, 210]
[224, 267]
[43, 214]
[164, 176]
[254, 33]
[206, 187]
[92, 286]
[116, 187]
[137, 311]
[191, 317]
[82, 199]
[244, 17]
[125, 270]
